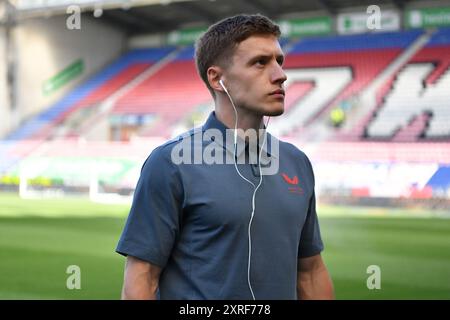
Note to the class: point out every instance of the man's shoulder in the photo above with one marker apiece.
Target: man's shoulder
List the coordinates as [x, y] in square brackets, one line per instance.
[292, 150]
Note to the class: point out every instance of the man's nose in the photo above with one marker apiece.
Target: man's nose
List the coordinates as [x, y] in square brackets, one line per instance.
[278, 75]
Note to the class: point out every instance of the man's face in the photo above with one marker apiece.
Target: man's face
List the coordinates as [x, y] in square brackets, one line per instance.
[255, 76]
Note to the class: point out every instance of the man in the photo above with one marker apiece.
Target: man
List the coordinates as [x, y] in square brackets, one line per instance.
[226, 231]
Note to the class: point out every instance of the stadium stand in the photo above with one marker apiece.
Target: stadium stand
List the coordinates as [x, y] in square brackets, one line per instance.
[416, 105]
[322, 72]
[89, 94]
[170, 93]
[343, 60]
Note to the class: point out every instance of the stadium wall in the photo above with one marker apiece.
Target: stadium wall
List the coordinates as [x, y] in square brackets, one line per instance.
[46, 46]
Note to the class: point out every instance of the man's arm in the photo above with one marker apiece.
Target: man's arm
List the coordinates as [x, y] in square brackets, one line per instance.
[140, 280]
[313, 280]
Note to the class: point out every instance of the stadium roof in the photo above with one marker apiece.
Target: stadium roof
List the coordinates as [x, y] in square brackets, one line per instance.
[170, 16]
[155, 16]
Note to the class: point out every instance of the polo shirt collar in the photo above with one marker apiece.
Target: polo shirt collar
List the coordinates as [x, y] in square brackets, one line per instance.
[213, 123]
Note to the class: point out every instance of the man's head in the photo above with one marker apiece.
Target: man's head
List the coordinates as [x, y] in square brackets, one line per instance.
[243, 51]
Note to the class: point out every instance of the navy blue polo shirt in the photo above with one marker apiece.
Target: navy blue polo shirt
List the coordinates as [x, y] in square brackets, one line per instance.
[191, 219]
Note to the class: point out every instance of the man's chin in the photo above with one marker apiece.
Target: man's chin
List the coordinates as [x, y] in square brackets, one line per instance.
[274, 112]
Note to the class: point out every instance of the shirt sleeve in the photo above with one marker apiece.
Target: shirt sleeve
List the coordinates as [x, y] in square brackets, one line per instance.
[310, 241]
[153, 223]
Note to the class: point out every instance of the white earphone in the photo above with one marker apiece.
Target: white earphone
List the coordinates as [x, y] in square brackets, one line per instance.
[256, 187]
[223, 86]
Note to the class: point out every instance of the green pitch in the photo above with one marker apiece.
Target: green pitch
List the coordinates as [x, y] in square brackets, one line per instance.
[39, 239]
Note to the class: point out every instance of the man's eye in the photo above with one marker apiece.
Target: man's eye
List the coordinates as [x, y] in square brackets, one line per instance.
[261, 62]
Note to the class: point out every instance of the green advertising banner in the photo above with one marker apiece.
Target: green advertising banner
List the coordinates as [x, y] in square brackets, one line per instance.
[185, 36]
[63, 77]
[426, 18]
[363, 22]
[289, 28]
[306, 27]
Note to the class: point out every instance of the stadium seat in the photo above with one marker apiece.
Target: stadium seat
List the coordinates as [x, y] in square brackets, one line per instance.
[363, 56]
[171, 93]
[416, 103]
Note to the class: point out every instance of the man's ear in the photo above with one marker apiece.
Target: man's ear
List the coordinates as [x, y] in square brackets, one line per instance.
[214, 74]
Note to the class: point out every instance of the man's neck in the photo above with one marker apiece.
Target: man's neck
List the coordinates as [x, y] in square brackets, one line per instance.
[246, 120]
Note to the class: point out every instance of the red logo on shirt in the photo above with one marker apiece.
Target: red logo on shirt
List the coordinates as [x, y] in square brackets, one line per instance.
[293, 182]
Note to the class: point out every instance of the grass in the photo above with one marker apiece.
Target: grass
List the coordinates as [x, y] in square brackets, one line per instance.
[413, 254]
[39, 239]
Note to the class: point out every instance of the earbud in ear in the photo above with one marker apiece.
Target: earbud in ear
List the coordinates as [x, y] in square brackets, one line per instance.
[223, 86]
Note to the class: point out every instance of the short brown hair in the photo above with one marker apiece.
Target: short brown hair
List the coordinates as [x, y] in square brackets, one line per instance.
[217, 44]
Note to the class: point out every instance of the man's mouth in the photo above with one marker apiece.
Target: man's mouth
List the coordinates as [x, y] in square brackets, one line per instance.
[279, 93]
